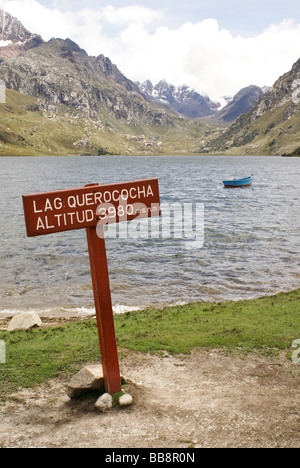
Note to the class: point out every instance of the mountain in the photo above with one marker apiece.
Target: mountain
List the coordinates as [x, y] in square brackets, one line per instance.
[182, 99]
[65, 79]
[112, 71]
[271, 127]
[191, 104]
[241, 103]
[60, 100]
[14, 37]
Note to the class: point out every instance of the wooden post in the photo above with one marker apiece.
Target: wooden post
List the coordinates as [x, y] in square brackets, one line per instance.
[88, 207]
[104, 312]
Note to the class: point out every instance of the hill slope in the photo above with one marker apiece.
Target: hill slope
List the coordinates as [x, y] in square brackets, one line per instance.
[271, 127]
[65, 79]
[84, 105]
[27, 130]
[242, 102]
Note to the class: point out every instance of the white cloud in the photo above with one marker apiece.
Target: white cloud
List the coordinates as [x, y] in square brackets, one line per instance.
[210, 59]
[129, 14]
[200, 54]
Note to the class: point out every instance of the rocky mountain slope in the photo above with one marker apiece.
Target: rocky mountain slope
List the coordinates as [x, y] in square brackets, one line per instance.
[182, 99]
[27, 129]
[14, 37]
[241, 103]
[70, 90]
[271, 127]
[65, 79]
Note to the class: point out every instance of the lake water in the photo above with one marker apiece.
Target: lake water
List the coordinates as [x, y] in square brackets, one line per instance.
[251, 236]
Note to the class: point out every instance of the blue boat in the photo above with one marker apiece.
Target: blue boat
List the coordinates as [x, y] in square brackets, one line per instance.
[234, 183]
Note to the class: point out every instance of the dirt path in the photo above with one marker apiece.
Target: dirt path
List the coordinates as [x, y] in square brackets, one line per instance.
[204, 400]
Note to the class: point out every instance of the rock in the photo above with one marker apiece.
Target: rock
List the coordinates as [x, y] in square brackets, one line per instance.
[125, 400]
[24, 321]
[84, 144]
[104, 403]
[89, 378]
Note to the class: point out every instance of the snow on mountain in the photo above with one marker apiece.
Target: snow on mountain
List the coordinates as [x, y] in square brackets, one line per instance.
[183, 99]
[14, 37]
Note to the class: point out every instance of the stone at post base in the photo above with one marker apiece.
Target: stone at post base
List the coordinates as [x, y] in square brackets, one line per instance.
[104, 403]
[89, 378]
[125, 400]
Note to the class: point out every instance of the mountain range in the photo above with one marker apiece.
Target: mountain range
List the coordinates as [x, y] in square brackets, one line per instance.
[60, 100]
[191, 104]
[182, 99]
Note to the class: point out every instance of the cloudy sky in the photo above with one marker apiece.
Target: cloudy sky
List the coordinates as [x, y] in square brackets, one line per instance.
[215, 46]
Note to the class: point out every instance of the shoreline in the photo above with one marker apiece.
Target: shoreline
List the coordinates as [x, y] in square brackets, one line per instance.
[53, 321]
[267, 327]
[46, 321]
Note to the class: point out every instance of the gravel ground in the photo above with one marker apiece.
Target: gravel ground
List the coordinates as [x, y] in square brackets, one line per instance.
[206, 399]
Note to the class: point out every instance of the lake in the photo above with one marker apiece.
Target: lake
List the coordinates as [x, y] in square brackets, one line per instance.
[243, 244]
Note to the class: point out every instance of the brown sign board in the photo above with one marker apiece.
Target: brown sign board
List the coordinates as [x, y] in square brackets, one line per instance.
[66, 210]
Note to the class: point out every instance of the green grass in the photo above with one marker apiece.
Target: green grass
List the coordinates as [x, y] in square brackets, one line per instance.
[26, 131]
[265, 325]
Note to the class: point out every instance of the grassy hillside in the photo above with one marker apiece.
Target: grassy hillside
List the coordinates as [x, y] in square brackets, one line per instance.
[271, 134]
[27, 130]
[271, 127]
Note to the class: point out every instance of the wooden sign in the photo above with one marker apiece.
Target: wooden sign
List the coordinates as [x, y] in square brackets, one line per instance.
[92, 207]
[66, 210]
